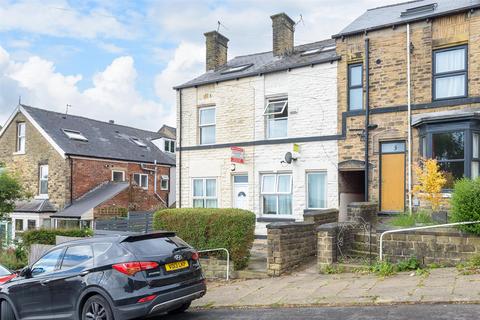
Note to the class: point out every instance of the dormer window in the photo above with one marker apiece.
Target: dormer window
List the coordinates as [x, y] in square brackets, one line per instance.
[139, 142]
[236, 68]
[169, 145]
[75, 135]
[311, 51]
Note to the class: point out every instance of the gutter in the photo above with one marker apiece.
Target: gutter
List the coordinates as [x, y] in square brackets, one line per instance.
[367, 112]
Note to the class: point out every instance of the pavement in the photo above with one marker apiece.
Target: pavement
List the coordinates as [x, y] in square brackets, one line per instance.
[308, 288]
[397, 312]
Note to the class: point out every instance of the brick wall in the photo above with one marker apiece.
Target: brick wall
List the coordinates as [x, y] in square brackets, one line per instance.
[37, 151]
[388, 86]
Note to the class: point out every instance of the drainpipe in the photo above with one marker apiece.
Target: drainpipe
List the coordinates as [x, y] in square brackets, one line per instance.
[409, 123]
[179, 130]
[367, 111]
[144, 167]
[71, 180]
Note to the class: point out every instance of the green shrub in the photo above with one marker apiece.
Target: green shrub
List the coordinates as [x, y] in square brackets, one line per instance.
[47, 236]
[410, 220]
[233, 229]
[13, 259]
[408, 265]
[466, 204]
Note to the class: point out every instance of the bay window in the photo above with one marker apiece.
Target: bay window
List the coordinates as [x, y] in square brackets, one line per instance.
[205, 193]
[450, 73]
[276, 118]
[276, 190]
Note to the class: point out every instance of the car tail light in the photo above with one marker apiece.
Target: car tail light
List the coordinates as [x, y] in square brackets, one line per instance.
[131, 268]
[195, 256]
[147, 299]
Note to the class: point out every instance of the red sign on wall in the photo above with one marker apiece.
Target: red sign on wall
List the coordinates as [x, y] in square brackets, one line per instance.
[238, 155]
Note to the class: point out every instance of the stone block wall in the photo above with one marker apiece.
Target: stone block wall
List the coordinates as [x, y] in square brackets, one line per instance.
[289, 245]
[320, 217]
[215, 268]
[362, 212]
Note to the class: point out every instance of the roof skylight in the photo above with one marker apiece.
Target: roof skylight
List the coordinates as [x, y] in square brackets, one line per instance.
[139, 142]
[311, 51]
[328, 48]
[74, 135]
[418, 10]
[236, 68]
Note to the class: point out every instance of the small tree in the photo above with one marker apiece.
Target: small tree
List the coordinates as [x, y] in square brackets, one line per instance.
[10, 191]
[431, 181]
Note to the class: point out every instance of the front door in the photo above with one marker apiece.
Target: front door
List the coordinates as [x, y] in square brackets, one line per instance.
[392, 175]
[240, 191]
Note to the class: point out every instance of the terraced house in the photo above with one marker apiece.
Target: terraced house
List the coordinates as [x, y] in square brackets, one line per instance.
[259, 131]
[408, 87]
[79, 169]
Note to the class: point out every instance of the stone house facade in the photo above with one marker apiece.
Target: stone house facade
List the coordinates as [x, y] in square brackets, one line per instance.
[256, 131]
[374, 71]
[64, 161]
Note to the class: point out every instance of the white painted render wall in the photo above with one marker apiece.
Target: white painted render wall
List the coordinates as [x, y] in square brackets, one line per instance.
[312, 98]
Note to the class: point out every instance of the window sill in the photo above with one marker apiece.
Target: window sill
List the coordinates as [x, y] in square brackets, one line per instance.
[18, 153]
[41, 197]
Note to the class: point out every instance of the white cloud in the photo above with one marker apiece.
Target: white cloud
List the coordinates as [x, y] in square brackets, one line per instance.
[112, 96]
[110, 47]
[59, 18]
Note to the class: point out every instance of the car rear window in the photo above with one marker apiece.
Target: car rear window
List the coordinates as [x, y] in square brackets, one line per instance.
[155, 246]
[4, 272]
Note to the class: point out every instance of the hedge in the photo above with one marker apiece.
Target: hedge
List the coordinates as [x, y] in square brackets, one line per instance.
[47, 236]
[233, 229]
[466, 204]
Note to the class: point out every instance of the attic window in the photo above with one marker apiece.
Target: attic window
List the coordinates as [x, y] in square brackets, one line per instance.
[311, 51]
[418, 10]
[328, 48]
[236, 69]
[139, 142]
[75, 135]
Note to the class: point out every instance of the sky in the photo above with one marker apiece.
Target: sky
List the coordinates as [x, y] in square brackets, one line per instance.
[119, 59]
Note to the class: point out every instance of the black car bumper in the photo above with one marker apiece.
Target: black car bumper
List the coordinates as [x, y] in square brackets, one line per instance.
[164, 302]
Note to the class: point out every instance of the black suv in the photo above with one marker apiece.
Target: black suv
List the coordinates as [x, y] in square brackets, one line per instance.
[106, 278]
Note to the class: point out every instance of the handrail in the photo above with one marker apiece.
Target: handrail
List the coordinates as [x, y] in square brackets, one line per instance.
[420, 228]
[228, 258]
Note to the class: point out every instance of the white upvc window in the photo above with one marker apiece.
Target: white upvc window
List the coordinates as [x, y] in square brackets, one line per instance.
[276, 118]
[141, 179]
[43, 180]
[169, 145]
[164, 182]
[75, 135]
[276, 191]
[207, 125]
[139, 142]
[317, 190]
[205, 193]
[118, 175]
[21, 127]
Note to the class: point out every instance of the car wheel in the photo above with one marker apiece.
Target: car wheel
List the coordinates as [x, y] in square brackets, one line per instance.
[181, 309]
[6, 312]
[96, 308]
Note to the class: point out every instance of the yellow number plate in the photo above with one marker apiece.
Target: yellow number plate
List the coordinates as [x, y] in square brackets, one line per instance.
[176, 265]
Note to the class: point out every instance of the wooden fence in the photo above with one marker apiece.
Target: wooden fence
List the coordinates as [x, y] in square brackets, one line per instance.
[135, 222]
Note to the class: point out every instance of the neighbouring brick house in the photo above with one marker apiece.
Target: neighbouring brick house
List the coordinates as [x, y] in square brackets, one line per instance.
[80, 169]
[440, 40]
[259, 131]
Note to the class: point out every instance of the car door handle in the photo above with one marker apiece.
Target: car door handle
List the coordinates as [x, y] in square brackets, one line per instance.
[45, 282]
[84, 273]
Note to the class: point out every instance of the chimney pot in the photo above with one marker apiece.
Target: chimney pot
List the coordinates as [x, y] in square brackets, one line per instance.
[217, 49]
[111, 121]
[283, 28]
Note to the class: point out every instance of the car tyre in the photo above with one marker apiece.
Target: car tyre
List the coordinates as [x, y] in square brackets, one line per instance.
[96, 308]
[184, 307]
[6, 312]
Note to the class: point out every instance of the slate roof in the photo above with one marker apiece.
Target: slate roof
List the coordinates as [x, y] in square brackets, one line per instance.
[91, 199]
[390, 15]
[35, 205]
[105, 140]
[266, 62]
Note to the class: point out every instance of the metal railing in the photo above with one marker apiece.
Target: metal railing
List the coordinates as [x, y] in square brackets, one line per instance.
[420, 228]
[228, 258]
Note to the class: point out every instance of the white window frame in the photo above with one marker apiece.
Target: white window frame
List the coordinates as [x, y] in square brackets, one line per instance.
[276, 192]
[139, 142]
[123, 175]
[204, 196]
[171, 145]
[74, 135]
[40, 169]
[203, 125]
[326, 187]
[166, 179]
[140, 176]
[21, 139]
[269, 116]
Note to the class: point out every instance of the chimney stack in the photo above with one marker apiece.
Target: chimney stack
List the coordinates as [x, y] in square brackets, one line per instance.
[217, 47]
[283, 30]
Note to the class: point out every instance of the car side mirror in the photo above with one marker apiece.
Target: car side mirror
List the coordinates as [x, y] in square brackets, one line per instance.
[26, 272]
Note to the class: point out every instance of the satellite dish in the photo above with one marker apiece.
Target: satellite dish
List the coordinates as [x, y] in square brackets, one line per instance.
[288, 157]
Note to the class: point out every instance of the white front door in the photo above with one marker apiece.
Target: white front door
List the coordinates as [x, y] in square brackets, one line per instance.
[240, 191]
